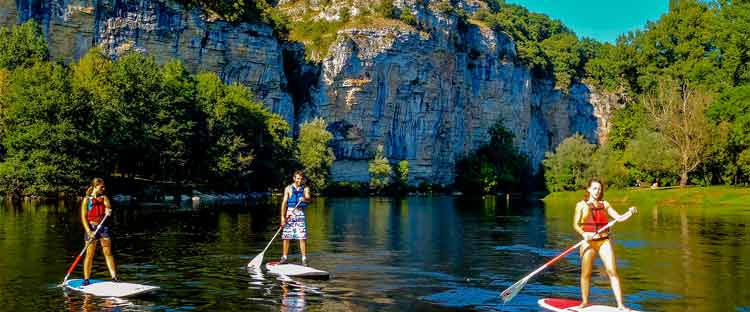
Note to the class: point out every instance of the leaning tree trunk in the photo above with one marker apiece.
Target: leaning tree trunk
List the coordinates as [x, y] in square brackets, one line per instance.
[683, 178]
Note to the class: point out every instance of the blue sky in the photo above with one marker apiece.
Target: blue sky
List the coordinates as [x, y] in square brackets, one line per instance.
[602, 20]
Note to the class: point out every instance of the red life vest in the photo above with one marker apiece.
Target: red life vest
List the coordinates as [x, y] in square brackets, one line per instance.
[96, 209]
[596, 219]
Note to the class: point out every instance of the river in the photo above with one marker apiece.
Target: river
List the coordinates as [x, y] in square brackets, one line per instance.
[409, 254]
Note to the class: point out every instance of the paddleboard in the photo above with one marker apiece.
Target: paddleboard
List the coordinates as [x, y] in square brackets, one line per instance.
[294, 270]
[568, 305]
[102, 288]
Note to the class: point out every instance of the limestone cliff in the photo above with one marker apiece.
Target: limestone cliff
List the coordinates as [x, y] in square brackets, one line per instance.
[428, 95]
[244, 53]
[431, 95]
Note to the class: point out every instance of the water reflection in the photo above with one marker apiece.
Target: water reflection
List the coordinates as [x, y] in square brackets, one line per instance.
[81, 302]
[417, 253]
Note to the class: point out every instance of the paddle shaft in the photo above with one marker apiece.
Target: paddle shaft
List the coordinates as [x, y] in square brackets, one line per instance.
[88, 242]
[569, 250]
[279, 230]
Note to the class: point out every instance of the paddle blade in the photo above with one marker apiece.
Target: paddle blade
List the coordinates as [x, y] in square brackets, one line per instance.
[256, 262]
[513, 290]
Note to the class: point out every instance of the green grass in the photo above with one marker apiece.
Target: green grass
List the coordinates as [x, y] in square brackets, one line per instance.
[690, 196]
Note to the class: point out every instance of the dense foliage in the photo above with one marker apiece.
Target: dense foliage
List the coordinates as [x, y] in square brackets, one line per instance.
[314, 153]
[381, 173]
[133, 118]
[545, 45]
[686, 78]
[497, 166]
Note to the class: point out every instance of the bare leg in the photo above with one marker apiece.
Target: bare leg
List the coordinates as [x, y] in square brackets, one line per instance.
[587, 264]
[107, 249]
[89, 260]
[607, 254]
[303, 247]
[285, 248]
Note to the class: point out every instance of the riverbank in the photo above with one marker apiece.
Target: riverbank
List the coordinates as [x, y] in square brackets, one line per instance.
[694, 196]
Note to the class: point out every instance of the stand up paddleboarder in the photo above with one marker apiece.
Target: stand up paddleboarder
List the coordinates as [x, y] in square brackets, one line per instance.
[591, 215]
[93, 209]
[293, 219]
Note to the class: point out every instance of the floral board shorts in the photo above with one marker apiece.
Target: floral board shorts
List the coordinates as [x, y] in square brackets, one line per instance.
[296, 226]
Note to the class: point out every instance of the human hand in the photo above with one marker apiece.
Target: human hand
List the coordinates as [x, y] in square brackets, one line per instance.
[627, 215]
[89, 235]
[108, 211]
[587, 236]
[633, 210]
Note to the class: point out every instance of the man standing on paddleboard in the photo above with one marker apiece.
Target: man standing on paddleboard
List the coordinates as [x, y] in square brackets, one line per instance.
[296, 197]
[590, 216]
[93, 209]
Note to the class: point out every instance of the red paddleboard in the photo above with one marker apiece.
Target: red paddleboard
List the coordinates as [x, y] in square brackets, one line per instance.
[569, 305]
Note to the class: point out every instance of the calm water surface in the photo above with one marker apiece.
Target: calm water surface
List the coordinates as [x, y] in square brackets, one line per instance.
[413, 254]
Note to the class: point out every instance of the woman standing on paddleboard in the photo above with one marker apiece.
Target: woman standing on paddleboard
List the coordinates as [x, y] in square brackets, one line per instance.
[296, 197]
[93, 209]
[590, 216]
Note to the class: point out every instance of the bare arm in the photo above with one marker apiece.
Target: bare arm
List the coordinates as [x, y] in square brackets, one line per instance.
[84, 204]
[577, 218]
[614, 214]
[283, 205]
[107, 205]
[307, 197]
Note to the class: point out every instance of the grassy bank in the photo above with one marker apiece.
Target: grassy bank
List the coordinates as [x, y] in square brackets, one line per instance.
[691, 196]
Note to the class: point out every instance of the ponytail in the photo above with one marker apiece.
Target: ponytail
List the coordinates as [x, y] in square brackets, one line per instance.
[94, 183]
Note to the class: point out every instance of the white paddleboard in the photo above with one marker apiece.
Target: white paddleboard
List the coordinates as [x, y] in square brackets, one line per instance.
[294, 270]
[568, 305]
[102, 288]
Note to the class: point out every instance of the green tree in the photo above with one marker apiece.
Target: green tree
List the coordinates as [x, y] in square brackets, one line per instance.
[609, 165]
[22, 46]
[567, 56]
[44, 145]
[626, 123]
[567, 167]
[731, 110]
[380, 171]
[650, 158]
[495, 166]
[401, 171]
[314, 152]
[171, 132]
[247, 146]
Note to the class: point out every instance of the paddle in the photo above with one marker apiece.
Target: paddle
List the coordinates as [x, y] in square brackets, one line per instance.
[258, 260]
[513, 290]
[84, 250]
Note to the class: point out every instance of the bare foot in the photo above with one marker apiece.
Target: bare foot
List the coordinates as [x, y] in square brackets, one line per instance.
[624, 308]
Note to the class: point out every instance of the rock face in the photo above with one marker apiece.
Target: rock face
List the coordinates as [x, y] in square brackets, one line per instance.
[428, 95]
[244, 53]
